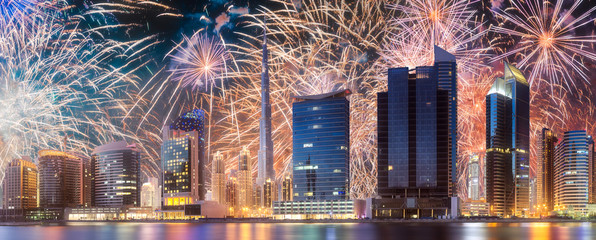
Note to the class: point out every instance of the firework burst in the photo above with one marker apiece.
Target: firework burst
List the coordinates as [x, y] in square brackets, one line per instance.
[546, 42]
[56, 81]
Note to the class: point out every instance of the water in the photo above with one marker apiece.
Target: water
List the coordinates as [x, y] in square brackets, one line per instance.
[274, 231]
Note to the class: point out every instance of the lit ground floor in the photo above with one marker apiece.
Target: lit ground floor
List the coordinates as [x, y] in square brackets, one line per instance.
[336, 209]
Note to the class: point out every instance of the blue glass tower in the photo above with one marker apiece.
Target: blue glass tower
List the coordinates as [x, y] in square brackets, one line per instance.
[508, 144]
[417, 139]
[321, 147]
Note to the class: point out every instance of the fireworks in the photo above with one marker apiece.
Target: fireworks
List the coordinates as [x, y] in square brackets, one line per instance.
[56, 81]
[200, 62]
[547, 44]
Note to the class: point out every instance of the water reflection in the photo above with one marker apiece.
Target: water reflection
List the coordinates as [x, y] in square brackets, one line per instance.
[291, 231]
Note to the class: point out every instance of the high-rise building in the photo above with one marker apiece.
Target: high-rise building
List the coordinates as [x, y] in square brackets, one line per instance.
[87, 188]
[265, 162]
[508, 144]
[571, 172]
[60, 179]
[417, 140]
[473, 178]
[592, 171]
[321, 143]
[20, 184]
[245, 182]
[116, 175]
[269, 193]
[218, 178]
[286, 189]
[150, 193]
[183, 161]
[257, 196]
[232, 193]
[545, 170]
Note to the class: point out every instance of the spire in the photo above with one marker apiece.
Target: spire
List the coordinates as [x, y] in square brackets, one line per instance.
[510, 71]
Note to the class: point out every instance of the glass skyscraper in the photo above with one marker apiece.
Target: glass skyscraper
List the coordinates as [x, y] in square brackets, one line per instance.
[508, 144]
[545, 170]
[183, 161]
[417, 131]
[321, 147]
[116, 175]
[571, 172]
[60, 179]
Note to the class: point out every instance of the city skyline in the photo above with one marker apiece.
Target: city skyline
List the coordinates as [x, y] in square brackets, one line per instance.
[229, 90]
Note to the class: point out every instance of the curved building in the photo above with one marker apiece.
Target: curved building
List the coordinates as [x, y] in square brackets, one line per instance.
[571, 172]
[116, 175]
[60, 179]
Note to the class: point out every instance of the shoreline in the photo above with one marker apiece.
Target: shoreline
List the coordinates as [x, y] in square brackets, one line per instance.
[347, 221]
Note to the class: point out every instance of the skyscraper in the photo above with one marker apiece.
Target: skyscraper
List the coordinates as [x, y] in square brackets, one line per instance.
[417, 139]
[286, 189]
[116, 175]
[60, 179]
[545, 170]
[150, 194]
[592, 171]
[183, 161]
[508, 144]
[571, 172]
[20, 184]
[321, 143]
[473, 178]
[218, 179]
[232, 193]
[245, 182]
[265, 162]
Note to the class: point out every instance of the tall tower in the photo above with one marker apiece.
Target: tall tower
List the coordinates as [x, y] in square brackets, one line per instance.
[218, 178]
[265, 164]
[508, 144]
[545, 174]
[474, 178]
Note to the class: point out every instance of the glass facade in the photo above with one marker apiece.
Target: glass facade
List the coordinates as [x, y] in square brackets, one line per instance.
[508, 144]
[571, 172]
[116, 175]
[321, 147]
[60, 177]
[545, 171]
[183, 161]
[415, 141]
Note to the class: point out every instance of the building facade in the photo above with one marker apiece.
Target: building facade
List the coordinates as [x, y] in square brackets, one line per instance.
[245, 181]
[417, 139]
[218, 178]
[116, 175]
[571, 172]
[151, 194]
[473, 178]
[183, 162]
[60, 179]
[286, 189]
[20, 184]
[321, 146]
[508, 144]
[545, 170]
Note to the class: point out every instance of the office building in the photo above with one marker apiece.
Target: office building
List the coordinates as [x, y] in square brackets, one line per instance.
[183, 163]
[116, 175]
[321, 158]
[20, 184]
[151, 194]
[545, 171]
[269, 193]
[286, 189]
[571, 173]
[591, 172]
[473, 178]
[321, 146]
[60, 179]
[245, 182]
[232, 194]
[218, 178]
[417, 139]
[508, 144]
